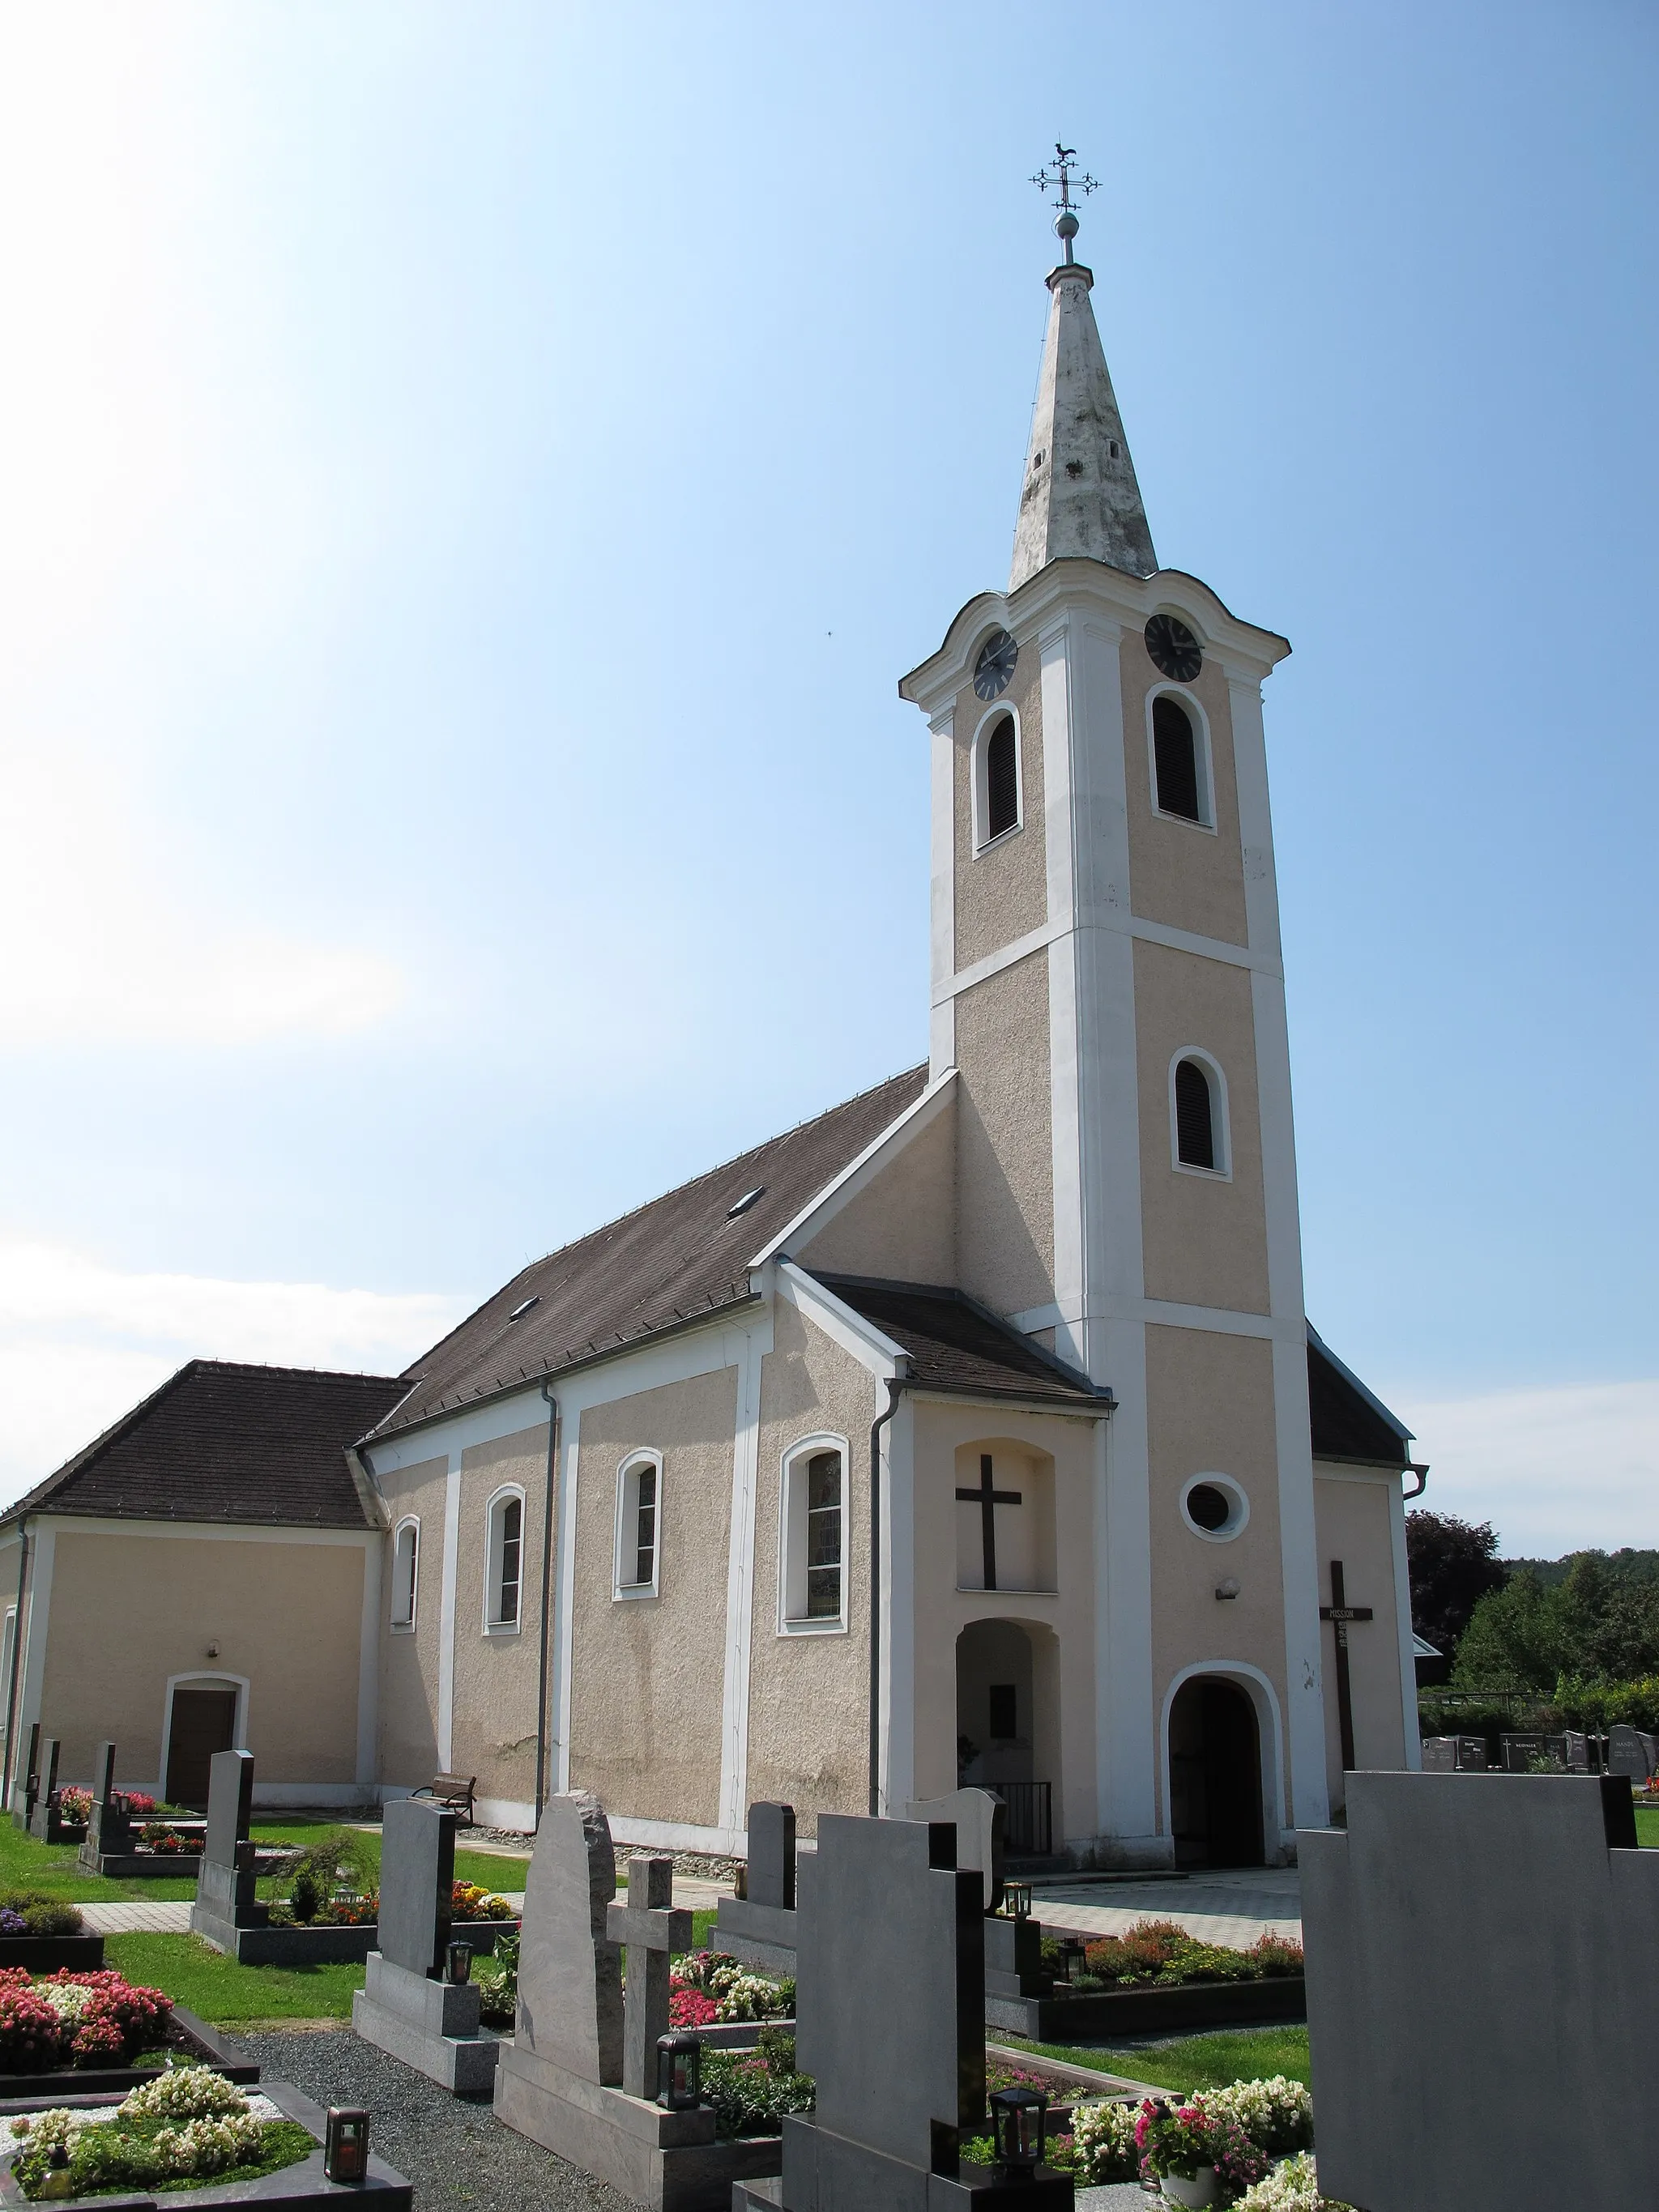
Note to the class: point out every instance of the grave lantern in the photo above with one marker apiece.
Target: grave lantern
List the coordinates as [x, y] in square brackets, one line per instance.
[1016, 1899]
[679, 2071]
[1019, 2121]
[460, 1957]
[345, 2143]
[1073, 1954]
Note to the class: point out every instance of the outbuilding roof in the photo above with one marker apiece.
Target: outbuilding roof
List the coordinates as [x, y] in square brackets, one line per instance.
[1349, 1421]
[684, 1254]
[224, 1442]
[958, 1346]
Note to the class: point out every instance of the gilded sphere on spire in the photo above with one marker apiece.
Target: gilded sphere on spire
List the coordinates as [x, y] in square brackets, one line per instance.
[1065, 224]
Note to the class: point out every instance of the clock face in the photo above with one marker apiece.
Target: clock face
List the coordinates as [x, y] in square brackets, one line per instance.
[996, 664]
[1175, 652]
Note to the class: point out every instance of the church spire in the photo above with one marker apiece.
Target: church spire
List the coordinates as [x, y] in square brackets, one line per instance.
[1080, 496]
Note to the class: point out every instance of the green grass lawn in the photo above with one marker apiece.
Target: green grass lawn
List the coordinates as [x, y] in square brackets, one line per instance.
[26, 1864]
[1195, 2062]
[218, 1989]
[1647, 1826]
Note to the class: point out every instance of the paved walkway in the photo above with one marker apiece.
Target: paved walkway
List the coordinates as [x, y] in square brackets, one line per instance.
[166, 1916]
[1233, 1907]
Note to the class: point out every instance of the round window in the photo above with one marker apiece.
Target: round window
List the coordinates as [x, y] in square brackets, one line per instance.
[1214, 1506]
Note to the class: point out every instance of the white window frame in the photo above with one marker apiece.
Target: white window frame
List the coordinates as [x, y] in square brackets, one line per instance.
[981, 797]
[1236, 1522]
[494, 1518]
[1203, 758]
[792, 1534]
[627, 1527]
[411, 1522]
[1221, 1133]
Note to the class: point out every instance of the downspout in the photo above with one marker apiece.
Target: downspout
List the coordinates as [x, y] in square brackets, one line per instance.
[895, 1384]
[1412, 1467]
[6, 1773]
[542, 1792]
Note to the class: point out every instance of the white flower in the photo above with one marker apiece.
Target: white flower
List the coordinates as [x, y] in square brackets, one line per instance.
[184, 2093]
[1276, 2115]
[1104, 2137]
[69, 2000]
[1293, 2186]
[46, 2131]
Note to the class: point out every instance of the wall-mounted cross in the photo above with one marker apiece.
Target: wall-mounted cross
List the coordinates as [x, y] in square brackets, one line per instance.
[1340, 1612]
[988, 1499]
[652, 1929]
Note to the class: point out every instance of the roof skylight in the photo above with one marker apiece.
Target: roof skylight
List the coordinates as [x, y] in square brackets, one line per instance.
[749, 1199]
[520, 1311]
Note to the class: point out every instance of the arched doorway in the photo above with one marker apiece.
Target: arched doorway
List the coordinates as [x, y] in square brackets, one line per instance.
[1215, 1775]
[1006, 1733]
[201, 1721]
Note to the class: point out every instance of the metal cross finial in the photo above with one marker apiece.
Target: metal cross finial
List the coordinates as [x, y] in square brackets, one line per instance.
[1065, 184]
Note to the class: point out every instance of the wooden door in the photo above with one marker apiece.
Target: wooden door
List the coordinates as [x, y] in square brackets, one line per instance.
[204, 1722]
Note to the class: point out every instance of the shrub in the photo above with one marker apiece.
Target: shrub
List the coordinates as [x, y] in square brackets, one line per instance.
[36, 1914]
[335, 1860]
[1101, 2146]
[497, 1977]
[1158, 1953]
[1293, 2186]
[1179, 2139]
[75, 1806]
[1276, 1955]
[136, 1804]
[1276, 2115]
[751, 2091]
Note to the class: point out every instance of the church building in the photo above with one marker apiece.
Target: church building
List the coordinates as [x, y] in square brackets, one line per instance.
[974, 1430]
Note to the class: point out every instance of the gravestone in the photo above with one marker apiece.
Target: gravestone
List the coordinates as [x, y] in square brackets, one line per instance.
[1479, 1965]
[1454, 1754]
[225, 1900]
[760, 1928]
[108, 1829]
[888, 2024]
[1013, 1948]
[1631, 1752]
[979, 1818]
[1530, 1752]
[43, 1811]
[560, 2079]
[649, 1931]
[406, 2007]
[1578, 1750]
[26, 1781]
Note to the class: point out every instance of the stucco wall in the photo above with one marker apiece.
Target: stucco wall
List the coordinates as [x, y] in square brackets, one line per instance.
[409, 1663]
[1063, 1748]
[647, 1673]
[1210, 1410]
[494, 1729]
[1352, 1519]
[1204, 1238]
[1003, 891]
[904, 1222]
[1005, 1155]
[1186, 876]
[128, 1611]
[808, 1693]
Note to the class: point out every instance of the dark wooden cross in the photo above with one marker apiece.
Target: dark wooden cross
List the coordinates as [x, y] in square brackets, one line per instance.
[988, 1500]
[652, 1928]
[1340, 1612]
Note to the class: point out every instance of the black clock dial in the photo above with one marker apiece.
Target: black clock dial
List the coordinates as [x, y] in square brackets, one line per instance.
[995, 664]
[1175, 652]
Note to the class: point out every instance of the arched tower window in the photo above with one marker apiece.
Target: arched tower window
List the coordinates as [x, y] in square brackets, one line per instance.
[405, 1572]
[638, 1512]
[1177, 756]
[1001, 779]
[505, 1553]
[1195, 1116]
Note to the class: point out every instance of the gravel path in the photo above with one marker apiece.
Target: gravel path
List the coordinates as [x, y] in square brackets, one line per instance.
[456, 2154]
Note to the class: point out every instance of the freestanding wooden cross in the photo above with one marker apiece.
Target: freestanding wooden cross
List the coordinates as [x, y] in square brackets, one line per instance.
[1340, 1612]
[988, 1500]
[652, 1929]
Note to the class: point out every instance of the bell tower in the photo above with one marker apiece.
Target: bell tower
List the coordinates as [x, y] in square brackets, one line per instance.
[1107, 982]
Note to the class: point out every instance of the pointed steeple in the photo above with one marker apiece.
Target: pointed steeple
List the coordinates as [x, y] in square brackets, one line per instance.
[1080, 496]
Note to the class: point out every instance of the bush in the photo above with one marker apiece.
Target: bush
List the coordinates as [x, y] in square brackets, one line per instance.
[751, 2090]
[336, 1860]
[1276, 2115]
[75, 1806]
[1293, 2186]
[1179, 2139]
[1158, 1955]
[75, 2019]
[1101, 2146]
[32, 1912]
[497, 1977]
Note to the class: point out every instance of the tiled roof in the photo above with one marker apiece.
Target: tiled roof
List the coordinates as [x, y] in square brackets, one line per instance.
[680, 1256]
[1348, 1422]
[223, 1441]
[958, 1346]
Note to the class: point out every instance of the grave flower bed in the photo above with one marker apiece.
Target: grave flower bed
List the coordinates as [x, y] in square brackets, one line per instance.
[1159, 1954]
[65, 2019]
[707, 1986]
[168, 1843]
[751, 2090]
[184, 2128]
[471, 1900]
[1241, 2131]
[75, 1807]
[497, 1977]
[32, 1912]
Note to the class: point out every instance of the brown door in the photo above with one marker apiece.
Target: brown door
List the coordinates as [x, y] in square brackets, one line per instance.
[204, 1722]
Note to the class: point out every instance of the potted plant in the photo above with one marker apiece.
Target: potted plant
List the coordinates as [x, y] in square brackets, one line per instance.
[1200, 2157]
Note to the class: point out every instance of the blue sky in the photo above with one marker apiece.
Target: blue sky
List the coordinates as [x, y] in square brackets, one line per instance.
[475, 475]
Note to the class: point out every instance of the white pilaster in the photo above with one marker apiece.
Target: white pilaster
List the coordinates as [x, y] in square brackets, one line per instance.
[942, 1032]
[368, 1667]
[447, 1612]
[898, 1653]
[744, 1353]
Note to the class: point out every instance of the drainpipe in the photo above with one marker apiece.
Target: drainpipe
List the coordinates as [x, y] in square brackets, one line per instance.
[542, 1792]
[6, 1774]
[1412, 1467]
[895, 1384]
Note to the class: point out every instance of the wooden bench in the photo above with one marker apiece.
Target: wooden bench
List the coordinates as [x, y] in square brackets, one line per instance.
[454, 1790]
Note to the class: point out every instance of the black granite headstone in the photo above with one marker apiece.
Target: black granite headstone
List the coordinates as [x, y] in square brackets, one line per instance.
[43, 1811]
[26, 1780]
[1454, 1754]
[1632, 1752]
[1478, 1969]
[417, 1882]
[772, 1856]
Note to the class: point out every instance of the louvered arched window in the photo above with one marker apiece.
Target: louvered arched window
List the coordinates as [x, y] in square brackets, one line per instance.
[1001, 778]
[1178, 762]
[1196, 1120]
[405, 1572]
